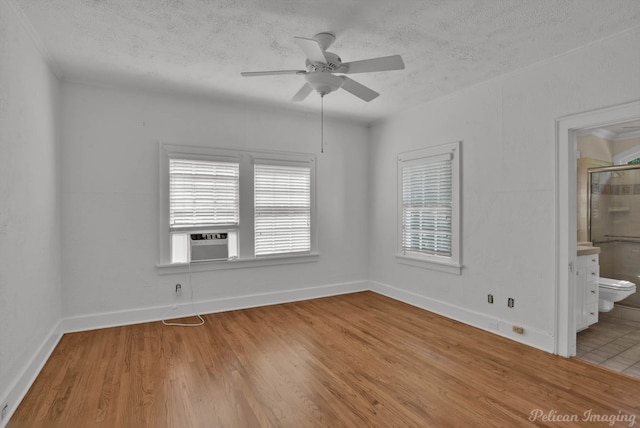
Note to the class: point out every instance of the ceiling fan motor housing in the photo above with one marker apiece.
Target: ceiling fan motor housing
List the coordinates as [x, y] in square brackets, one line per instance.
[333, 63]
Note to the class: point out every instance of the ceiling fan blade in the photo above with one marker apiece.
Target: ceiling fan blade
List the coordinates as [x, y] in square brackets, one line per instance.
[311, 49]
[302, 93]
[270, 73]
[358, 89]
[385, 63]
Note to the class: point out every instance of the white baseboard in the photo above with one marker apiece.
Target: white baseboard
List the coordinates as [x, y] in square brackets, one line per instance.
[23, 381]
[157, 313]
[531, 337]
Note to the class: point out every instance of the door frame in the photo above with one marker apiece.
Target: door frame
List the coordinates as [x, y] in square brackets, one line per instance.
[567, 128]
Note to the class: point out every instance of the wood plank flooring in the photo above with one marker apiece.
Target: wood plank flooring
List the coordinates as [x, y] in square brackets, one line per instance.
[355, 360]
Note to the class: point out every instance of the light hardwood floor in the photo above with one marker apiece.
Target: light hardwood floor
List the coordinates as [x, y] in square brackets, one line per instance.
[355, 360]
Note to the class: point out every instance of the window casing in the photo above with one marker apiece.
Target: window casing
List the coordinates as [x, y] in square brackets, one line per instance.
[429, 208]
[206, 192]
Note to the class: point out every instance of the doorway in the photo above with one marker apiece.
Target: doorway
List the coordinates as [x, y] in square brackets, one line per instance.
[567, 129]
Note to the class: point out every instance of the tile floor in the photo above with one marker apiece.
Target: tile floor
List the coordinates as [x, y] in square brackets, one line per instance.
[613, 343]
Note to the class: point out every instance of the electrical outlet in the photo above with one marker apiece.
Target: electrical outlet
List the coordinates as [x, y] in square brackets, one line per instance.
[518, 329]
[178, 289]
[510, 302]
[490, 298]
[4, 411]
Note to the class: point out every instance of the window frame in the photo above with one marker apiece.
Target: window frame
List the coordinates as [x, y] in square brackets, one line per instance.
[452, 264]
[245, 229]
[627, 156]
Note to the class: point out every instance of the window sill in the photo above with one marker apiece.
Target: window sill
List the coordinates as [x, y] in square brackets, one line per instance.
[172, 268]
[439, 265]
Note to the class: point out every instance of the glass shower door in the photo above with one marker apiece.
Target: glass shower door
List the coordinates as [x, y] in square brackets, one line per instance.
[615, 223]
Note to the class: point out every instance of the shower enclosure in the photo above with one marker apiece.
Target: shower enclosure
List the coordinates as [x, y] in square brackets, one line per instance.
[614, 223]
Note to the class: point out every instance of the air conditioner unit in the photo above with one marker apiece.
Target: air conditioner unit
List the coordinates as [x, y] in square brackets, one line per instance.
[207, 246]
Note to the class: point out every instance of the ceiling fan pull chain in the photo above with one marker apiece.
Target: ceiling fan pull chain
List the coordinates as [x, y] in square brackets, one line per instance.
[321, 123]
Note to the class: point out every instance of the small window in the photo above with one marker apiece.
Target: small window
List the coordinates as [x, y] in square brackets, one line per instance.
[628, 157]
[428, 204]
[282, 209]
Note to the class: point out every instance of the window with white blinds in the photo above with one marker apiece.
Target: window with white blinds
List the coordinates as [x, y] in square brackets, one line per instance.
[426, 207]
[203, 193]
[429, 205]
[282, 209]
[258, 206]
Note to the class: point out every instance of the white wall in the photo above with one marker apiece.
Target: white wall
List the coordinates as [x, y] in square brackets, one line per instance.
[30, 291]
[508, 157]
[594, 147]
[110, 197]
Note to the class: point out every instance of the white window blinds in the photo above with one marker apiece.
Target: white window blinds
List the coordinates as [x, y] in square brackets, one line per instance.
[427, 198]
[282, 209]
[202, 193]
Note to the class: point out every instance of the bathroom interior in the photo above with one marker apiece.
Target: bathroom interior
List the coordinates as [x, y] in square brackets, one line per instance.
[608, 263]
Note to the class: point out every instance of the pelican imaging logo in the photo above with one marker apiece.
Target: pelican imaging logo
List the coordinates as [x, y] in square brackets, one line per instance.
[588, 416]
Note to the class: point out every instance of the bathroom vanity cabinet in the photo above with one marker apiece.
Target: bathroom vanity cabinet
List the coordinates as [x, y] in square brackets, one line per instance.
[586, 307]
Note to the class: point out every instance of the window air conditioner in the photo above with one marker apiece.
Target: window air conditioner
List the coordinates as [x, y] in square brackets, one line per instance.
[209, 246]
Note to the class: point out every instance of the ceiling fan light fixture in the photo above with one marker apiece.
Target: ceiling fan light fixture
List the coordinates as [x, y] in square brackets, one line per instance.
[324, 83]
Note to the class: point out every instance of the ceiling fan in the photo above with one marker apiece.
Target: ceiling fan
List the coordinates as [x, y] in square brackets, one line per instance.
[322, 68]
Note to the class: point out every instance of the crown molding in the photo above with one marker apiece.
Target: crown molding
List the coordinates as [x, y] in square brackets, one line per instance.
[608, 135]
[26, 24]
[602, 133]
[627, 136]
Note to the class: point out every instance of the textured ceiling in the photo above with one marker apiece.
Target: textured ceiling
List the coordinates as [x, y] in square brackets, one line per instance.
[203, 45]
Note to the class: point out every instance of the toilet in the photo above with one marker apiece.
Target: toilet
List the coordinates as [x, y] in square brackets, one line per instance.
[613, 290]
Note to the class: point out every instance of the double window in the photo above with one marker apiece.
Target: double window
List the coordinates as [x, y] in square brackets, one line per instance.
[428, 207]
[234, 205]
